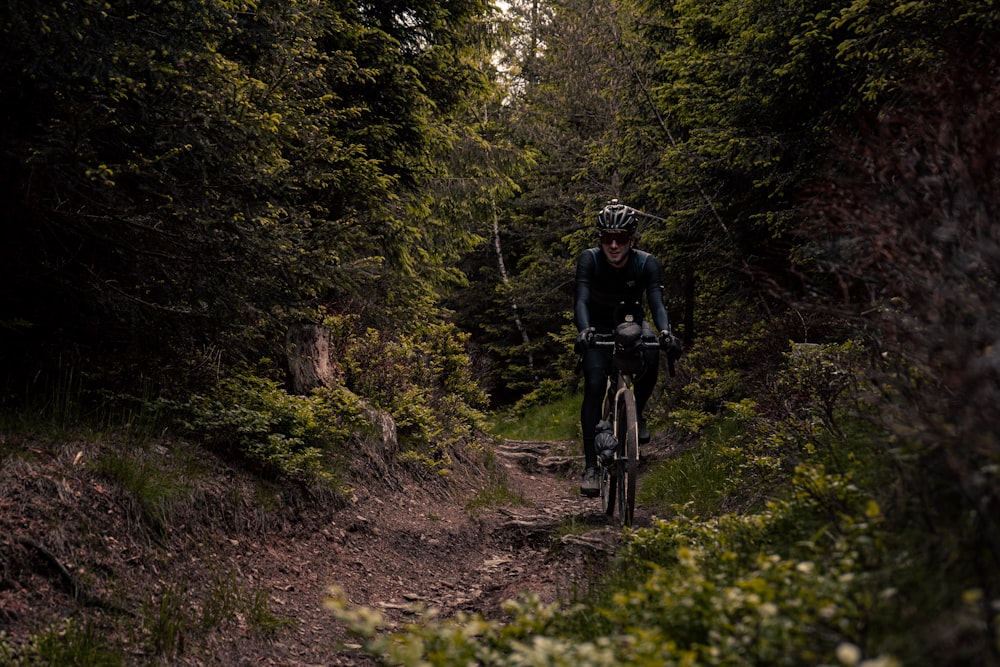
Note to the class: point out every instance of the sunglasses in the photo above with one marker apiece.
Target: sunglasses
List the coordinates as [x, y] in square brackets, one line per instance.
[622, 236]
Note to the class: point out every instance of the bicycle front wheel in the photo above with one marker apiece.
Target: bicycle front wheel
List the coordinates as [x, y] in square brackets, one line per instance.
[609, 488]
[627, 432]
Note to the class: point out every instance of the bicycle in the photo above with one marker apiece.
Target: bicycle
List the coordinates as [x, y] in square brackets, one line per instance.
[617, 438]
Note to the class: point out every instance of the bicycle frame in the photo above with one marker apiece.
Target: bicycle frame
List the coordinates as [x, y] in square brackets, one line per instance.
[619, 471]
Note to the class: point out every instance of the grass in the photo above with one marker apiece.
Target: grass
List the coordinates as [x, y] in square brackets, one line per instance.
[697, 478]
[167, 622]
[559, 420]
[495, 494]
[702, 478]
[68, 644]
[154, 488]
[176, 617]
[578, 525]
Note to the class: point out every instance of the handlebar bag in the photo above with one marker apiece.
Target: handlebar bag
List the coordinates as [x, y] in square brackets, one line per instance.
[628, 347]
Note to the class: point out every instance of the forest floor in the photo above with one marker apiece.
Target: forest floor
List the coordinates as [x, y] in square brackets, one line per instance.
[71, 545]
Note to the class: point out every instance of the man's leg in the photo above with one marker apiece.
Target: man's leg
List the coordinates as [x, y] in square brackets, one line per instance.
[595, 378]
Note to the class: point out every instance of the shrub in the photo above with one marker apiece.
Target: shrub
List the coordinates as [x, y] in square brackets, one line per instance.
[423, 379]
[288, 435]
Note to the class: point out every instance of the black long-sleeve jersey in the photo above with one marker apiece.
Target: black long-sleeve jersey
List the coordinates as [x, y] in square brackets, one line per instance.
[600, 288]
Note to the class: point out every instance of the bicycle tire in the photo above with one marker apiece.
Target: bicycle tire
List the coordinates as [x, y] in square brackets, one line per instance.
[609, 489]
[627, 432]
[609, 481]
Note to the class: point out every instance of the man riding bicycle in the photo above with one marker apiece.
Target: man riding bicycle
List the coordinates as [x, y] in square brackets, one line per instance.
[606, 276]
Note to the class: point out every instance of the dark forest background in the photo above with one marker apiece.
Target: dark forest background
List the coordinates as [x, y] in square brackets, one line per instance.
[184, 182]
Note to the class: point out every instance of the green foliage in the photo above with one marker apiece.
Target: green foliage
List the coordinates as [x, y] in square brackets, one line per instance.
[68, 644]
[294, 436]
[816, 378]
[547, 392]
[228, 166]
[895, 41]
[759, 588]
[549, 413]
[725, 369]
[809, 410]
[422, 378]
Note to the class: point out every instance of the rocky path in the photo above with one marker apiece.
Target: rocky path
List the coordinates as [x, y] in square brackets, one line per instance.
[453, 558]
[417, 550]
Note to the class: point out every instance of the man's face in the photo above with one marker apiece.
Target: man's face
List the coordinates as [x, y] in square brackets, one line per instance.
[616, 245]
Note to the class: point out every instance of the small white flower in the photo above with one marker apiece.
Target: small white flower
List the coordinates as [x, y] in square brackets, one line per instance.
[848, 654]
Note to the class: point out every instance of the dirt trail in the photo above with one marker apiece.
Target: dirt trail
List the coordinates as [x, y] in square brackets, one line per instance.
[385, 551]
[415, 547]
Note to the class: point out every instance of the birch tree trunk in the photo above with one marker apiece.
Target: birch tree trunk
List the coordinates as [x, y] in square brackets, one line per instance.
[506, 282]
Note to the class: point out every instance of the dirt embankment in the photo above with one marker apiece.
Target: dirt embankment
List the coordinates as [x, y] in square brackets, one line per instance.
[73, 545]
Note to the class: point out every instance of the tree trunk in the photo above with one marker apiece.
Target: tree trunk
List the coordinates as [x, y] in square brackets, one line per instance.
[502, 267]
[307, 347]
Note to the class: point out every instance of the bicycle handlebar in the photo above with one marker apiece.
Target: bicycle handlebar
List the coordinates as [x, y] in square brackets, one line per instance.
[608, 340]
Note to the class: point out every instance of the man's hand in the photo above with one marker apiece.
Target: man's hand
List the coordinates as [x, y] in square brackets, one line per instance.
[670, 344]
[583, 340]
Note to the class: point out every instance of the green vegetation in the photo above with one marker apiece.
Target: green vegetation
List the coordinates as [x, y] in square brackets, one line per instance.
[169, 623]
[174, 619]
[496, 494]
[695, 481]
[285, 434]
[186, 183]
[68, 644]
[152, 487]
[531, 421]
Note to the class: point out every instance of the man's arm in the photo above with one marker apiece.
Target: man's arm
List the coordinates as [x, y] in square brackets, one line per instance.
[585, 267]
[653, 278]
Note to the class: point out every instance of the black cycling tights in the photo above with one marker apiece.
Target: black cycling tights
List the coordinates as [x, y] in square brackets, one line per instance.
[596, 366]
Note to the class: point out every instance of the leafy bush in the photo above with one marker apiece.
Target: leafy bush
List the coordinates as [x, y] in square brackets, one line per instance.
[423, 379]
[289, 435]
[723, 369]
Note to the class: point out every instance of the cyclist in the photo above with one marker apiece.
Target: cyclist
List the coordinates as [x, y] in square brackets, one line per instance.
[614, 272]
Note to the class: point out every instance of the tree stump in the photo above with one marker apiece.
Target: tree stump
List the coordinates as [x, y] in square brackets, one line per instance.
[307, 347]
